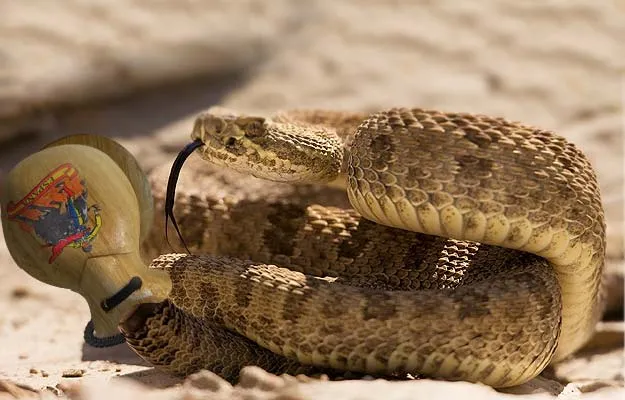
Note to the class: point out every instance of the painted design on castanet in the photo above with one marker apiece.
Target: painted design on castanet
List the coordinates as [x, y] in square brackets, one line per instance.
[55, 211]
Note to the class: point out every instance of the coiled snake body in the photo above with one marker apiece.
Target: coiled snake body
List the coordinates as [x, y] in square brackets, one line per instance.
[475, 250]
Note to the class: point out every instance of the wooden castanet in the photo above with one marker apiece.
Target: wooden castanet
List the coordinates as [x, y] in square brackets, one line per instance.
[73, 215]
[128, 164]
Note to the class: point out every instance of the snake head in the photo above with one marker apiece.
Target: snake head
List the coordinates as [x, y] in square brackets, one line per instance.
[277, 151]
[233, 140]
[228, 137]
[225, 131]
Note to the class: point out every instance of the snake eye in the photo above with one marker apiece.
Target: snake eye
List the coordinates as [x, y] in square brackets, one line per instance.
[252, 126]
[254, 129]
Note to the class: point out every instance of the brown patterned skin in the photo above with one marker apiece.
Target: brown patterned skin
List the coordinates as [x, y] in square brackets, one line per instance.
[194, 343]
[392, 301]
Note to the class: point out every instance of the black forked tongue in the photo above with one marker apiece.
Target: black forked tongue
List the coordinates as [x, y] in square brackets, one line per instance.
[171, 187]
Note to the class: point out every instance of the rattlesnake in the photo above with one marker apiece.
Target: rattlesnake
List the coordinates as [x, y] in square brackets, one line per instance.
[424, 282]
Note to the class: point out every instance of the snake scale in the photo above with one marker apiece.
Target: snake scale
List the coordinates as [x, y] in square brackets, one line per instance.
[474, 249]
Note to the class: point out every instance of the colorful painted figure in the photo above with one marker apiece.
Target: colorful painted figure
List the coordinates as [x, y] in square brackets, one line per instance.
[56, 212]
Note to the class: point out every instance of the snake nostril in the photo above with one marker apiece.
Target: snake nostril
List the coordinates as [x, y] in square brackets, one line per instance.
[219, 126]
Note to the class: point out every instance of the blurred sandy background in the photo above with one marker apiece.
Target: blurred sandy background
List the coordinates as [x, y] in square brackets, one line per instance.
[140, 71]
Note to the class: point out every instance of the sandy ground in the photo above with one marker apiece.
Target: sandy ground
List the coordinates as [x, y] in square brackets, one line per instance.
[140, 74]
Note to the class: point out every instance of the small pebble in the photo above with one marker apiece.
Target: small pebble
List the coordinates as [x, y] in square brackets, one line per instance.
[70, 389]
[56, 391]
[73, 373]
[19, 292]
[45, 374]
[33, 371]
